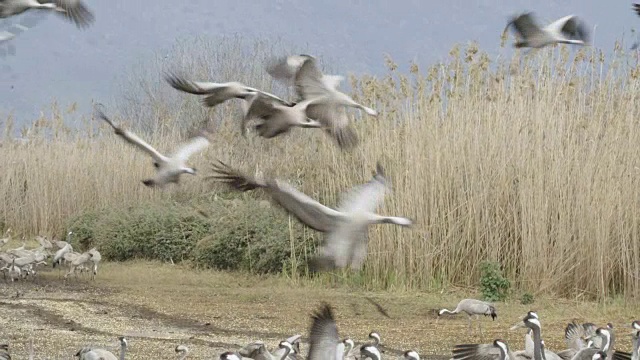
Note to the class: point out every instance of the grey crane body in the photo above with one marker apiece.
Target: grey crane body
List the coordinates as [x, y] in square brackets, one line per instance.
[350, 353]
[231, 355]
[216, 93]
[258, 351]
[95, 259]
[498, 350]
[59, 256]
[276, 117]
[311, 83]
[566, 30]
[606, 337]
[93, 353]
[472, 307]
[346, 228]
[168, 169]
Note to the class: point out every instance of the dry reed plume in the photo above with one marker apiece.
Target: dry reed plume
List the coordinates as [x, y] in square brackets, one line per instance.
[532, 162]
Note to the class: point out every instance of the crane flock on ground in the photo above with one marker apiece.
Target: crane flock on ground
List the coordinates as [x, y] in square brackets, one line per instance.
[319, 105]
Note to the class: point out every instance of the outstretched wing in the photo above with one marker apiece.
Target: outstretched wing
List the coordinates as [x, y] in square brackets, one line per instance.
[76, 11]
[179, 82]
[193, 146]
[309, 81]
[574, 28]
[336, 123]
[476, 352]
[324, 335]
[285, 68]
[133, 139]
[307, 210]
[525, 25]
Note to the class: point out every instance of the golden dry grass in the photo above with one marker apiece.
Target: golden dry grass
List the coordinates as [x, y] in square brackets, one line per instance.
[532, 162]
[158, 306]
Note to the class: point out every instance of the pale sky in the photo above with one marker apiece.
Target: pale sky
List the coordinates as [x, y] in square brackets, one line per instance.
[55, 60]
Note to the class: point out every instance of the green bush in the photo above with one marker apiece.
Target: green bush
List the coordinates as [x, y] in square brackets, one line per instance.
[231, 235]
[493, 284]
[255, 241]
[526, 299]
[83, 227]
[151, 231]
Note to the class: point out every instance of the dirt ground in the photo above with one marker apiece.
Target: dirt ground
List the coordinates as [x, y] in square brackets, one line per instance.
[158, 306]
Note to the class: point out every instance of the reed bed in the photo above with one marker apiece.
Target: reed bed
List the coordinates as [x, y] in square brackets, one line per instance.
[531, 160]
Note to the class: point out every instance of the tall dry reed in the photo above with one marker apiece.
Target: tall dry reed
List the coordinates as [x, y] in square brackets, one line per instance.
[532, 161]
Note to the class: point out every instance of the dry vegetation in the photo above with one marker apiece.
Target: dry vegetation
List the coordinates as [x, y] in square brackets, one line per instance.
[531, 161]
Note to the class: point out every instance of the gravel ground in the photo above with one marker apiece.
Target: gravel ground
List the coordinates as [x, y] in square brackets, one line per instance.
[159, 306]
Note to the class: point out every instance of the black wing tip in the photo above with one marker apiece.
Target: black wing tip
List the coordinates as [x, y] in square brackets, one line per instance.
[174, 79]
[324, 312]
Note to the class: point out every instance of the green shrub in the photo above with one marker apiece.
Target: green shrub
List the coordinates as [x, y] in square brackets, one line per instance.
[83, 227]
[225, 235]
[526, 299]
[255, 241]
[151, 231]
[493, 284]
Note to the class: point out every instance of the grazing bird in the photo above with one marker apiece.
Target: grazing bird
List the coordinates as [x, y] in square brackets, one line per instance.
[217, 93]
[168, 169]
[500, 351]
[60, 244]
[230, 355]
[411, 355]
[95, 259]
[59, 256]
[77, 262]
[93, 353]
[586, 353]
[375, 337]
[346, 227]
[473, 307]
[567, 30]
[608, 344]
[349, 352]
[183, 351]
[636, 8]
[72, 10]
[258, 349]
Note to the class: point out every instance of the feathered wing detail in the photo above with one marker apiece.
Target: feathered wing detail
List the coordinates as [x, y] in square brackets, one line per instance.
[324, 335]
[307, 210]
